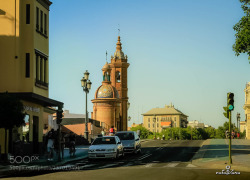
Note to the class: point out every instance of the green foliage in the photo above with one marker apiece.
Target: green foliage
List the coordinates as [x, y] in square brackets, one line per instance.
[242, 28]
[144, 132]
[194, 133]
[243, 135]
[211, 132]
[11, 111]
[220, 133]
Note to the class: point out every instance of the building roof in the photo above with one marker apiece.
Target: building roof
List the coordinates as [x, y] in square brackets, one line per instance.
[73, 121]
[167, 110]
[78, 129]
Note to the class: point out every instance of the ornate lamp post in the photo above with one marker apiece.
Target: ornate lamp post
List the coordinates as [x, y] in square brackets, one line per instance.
[86, 85]
[238, 121]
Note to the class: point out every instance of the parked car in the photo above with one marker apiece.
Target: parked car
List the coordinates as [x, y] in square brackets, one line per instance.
[130, 140]
[106, 147]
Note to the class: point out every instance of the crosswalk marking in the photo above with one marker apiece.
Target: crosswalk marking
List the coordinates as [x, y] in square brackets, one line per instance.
[86, 166]
[171, 164]
[108, 165]
[191, 165]
[149, 165]
[144, 156]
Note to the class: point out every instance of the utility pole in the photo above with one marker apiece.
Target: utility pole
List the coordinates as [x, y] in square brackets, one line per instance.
[230, 137]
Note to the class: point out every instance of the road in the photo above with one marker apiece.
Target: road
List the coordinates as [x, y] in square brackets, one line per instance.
[158, 160]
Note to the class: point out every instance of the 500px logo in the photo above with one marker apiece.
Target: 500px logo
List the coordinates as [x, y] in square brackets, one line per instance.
[24, 159]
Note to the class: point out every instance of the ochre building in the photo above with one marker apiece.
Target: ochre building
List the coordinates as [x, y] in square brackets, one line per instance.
[24, 68]
[158, 119]
[110, 105]
[246, 107]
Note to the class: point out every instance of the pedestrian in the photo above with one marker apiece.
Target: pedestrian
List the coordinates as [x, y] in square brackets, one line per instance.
[18, 146]
[50, 145]
[103, 132]
[238, 135]
[227, 133]
[138, 132]
[111, 131]
[163, 137]
[62, 144]
[233, 134]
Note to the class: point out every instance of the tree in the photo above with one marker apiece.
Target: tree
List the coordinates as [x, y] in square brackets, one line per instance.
[242, 28]
[11, 113]
[144, 131]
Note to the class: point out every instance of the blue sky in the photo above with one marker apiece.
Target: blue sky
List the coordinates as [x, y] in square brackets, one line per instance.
[179, 52]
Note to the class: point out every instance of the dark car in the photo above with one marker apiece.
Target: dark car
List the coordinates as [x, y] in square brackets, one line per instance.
[130, 140]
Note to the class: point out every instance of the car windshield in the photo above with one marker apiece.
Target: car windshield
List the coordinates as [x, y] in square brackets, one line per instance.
[126, 136]
[104, 140]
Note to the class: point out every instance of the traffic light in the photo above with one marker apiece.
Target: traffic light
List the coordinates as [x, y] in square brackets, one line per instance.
[59, 116]
[226, 114]
[230, 101]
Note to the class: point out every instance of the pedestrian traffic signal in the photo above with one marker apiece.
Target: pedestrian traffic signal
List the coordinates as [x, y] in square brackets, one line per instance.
[230, 101]
[226, 114]
[59, 116]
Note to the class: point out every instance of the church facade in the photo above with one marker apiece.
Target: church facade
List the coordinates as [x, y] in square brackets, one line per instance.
[110, 105]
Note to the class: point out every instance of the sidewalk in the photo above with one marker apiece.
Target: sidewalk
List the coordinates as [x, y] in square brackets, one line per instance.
[214, 154]
[81, 153]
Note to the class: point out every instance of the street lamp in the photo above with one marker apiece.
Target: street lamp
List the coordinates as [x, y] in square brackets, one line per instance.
[154, 119]
[238, 121]
[86, 85]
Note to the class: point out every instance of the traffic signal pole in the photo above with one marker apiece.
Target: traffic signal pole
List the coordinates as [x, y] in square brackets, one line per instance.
[230, 137]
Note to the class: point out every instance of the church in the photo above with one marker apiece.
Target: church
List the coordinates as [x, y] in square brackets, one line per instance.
[110, 104]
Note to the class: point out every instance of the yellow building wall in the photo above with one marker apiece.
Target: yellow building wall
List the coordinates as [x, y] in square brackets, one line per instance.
[20, 38]
[159, 129]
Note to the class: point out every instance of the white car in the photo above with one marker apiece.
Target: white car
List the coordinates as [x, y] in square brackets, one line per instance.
[106, 147]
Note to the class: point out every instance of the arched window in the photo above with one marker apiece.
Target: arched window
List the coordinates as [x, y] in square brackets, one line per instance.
[118, 76]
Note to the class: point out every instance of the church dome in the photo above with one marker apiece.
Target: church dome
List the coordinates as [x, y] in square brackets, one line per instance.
[106, 67]
[107, 91]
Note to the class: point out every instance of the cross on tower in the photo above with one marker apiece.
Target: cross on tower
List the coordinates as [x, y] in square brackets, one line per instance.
[106, 55]
[118, 29]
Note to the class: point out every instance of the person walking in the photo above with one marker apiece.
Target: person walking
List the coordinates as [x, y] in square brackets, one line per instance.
[62, 144]
[103, 132]
[50, 145]
[238, 135]
[111, 131]
[72, 141]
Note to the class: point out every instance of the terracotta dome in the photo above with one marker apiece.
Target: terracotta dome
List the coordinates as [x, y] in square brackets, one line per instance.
[106, 67]
[106, 91]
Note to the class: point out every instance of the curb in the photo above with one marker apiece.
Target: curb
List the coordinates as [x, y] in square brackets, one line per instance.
[201, 152]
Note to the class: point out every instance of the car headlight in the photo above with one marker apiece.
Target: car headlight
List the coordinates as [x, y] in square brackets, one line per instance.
[111, 150]
[91, 150]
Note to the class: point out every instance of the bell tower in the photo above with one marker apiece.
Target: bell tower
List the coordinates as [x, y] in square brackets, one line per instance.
[119, 66]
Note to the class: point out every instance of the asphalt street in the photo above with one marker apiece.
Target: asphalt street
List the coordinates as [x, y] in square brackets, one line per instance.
[158, 160]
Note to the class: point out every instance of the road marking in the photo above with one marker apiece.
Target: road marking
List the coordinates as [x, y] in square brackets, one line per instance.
[108, 165]
[88, 165]
[171, 165]
[191, 166]
[145, 156]
[129, 164]
[149, 165]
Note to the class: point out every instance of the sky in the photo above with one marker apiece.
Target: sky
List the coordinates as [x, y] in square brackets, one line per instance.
[179, 52]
